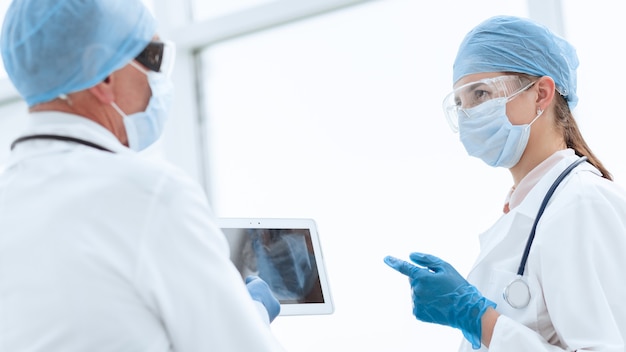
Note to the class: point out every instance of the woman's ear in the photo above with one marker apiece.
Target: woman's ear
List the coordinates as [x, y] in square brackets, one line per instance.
[545, 92]
[103, 91]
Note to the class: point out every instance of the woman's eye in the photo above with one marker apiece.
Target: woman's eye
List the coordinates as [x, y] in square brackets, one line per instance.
[480, 96]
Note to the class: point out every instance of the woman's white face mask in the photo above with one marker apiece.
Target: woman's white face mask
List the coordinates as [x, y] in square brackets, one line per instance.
[489, 135]
[477, 110]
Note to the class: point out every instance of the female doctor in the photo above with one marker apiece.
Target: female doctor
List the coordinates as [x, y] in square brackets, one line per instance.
[549, 276]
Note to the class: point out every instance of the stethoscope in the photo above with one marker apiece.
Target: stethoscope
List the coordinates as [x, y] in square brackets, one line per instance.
[517, 292]
[60, 138]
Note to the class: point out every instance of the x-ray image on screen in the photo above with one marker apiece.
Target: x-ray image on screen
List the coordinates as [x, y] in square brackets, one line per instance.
[283, 258]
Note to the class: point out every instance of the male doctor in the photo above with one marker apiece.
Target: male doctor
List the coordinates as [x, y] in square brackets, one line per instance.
[100, 249]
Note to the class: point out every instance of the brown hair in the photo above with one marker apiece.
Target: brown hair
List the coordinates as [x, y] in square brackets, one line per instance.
[573, 138]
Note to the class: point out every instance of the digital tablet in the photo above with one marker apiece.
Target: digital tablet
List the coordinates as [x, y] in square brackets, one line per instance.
[285, 253]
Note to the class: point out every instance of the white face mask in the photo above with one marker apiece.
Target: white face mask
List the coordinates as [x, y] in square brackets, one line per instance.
[489, 135]
[146, 127]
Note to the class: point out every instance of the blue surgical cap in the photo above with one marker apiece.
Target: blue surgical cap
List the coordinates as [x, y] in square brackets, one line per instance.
[514, 44]
[56, 47]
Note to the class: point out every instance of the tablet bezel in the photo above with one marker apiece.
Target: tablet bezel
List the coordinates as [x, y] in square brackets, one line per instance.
[327, 307]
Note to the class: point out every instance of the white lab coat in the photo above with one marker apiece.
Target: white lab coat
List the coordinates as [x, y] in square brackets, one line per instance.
[575, 269]
[112, 252]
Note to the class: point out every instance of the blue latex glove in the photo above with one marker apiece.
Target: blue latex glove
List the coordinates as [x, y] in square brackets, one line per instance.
[442, 296]
[260, 291]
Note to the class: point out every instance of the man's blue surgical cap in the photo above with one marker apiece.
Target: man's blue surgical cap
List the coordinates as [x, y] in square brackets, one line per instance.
[514, 44]
[56, 47]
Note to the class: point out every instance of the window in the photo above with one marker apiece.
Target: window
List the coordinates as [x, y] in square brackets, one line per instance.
[599, 77]
[209, 9]
[339, 118]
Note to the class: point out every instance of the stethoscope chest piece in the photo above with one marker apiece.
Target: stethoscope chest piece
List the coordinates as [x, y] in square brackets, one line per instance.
[517, 293]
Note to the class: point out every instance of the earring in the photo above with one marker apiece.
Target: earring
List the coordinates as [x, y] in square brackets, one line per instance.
[539, 111]
[65, 98]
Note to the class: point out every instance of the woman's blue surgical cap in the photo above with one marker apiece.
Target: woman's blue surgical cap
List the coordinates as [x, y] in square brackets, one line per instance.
[56, 47]
[514, 44]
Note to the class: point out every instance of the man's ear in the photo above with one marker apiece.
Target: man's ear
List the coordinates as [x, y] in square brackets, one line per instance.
[545, 90]
[103, 91]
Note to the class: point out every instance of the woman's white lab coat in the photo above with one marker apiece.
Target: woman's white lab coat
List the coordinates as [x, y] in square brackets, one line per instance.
[575, 269]
[111, 252]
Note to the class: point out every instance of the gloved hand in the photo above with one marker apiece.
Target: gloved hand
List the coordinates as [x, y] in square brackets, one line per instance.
[442, 296]
[260, 291]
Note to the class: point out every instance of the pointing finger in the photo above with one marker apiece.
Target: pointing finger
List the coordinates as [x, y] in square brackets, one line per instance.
[401, 266]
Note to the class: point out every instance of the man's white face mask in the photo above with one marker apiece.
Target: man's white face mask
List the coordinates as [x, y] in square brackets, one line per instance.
[146, 127]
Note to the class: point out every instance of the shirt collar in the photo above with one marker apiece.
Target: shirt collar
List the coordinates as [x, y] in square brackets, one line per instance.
[517, 194]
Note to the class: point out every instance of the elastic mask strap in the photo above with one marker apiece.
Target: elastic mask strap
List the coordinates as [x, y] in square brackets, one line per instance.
[119, 111]
[139, 68]
[131, 132]
[539, 113]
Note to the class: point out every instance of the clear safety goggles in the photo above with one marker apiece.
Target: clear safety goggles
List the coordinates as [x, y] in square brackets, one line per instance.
[460, 100]
[158, 56]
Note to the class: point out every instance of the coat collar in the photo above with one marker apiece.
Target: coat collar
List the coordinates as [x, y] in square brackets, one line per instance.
[510, 233]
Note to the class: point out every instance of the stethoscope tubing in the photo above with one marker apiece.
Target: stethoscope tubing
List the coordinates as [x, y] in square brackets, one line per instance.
[60, 138]
[517, 292]
[544, 203]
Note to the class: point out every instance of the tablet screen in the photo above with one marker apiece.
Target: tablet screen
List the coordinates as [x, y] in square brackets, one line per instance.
[286, 254]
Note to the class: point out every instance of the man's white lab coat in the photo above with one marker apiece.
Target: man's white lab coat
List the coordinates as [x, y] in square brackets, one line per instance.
[110, 252]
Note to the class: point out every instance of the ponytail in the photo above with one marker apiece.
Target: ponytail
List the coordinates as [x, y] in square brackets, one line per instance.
[573, 138]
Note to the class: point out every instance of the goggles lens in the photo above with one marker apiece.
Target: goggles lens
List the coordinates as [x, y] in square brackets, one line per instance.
[158, 56]
[472, 94]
